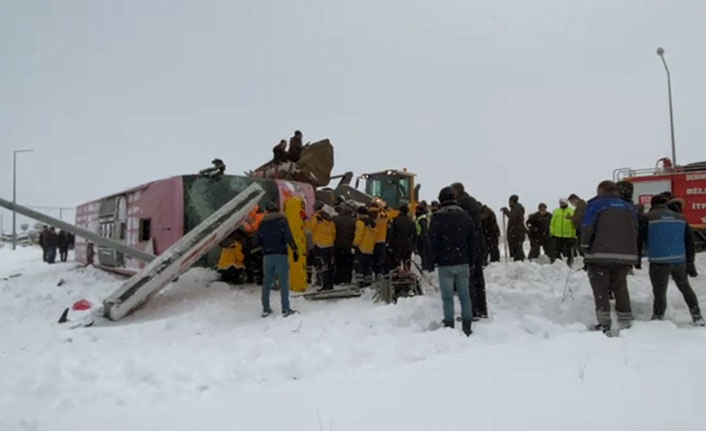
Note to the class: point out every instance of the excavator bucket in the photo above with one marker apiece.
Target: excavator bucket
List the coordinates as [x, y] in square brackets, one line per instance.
[316, 163]
[314, 166]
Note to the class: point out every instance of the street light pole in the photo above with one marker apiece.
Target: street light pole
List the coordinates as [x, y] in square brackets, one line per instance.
[660, 52]
[14, 195]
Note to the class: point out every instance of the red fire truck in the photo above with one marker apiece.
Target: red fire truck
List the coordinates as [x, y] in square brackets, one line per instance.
[687, 183]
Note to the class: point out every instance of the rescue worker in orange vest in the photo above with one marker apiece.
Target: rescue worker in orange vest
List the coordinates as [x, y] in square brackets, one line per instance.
[323, 233]
[253, 255]
[231, 264]
[364, 244]
[379, 214]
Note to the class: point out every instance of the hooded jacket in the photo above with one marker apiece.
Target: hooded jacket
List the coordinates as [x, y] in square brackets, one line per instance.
[609, 233]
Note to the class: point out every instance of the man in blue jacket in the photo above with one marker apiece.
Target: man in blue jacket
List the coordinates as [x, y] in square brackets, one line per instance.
[609, 239]
[454, 249]
[273, 236]
[670, 248]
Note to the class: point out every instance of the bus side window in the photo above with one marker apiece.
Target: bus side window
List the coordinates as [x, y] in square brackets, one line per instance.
[145, 229]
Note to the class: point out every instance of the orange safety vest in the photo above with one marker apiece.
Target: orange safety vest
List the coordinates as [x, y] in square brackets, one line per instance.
[252, 224]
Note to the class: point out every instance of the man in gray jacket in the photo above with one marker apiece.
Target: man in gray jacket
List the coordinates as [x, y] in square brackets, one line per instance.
[609, 240]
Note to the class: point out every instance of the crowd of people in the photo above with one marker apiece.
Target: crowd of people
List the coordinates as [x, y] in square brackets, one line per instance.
[458, 236]
[52, 241]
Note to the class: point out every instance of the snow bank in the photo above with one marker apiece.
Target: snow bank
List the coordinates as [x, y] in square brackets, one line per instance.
[200, 355]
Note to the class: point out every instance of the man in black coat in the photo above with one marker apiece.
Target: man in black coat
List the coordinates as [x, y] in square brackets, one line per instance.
[538, 226]
[609, 239]
[295, 147]
[491, 234]
[401, 238]
[453, 248]
[62, 240]
[43, 242]
[51, 242]
[477, 280]
[343, 246]
[515, 228]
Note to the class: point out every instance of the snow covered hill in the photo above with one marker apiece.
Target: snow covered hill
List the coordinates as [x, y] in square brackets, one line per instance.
[200, 357]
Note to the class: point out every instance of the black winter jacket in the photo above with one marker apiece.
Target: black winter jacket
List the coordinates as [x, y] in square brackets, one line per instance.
[453, 238]
[274, 235]
[402, 235]
[609, 234]
[490, 228]
[471, 206]
[345, 231]
[538, 225]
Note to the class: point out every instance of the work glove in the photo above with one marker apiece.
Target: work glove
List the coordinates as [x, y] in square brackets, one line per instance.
[295, 255]
[691, 270]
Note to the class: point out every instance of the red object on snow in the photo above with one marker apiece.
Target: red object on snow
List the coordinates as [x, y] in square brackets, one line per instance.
[82, 305]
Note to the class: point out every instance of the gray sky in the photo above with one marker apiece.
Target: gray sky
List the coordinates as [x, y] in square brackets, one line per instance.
[539, 98]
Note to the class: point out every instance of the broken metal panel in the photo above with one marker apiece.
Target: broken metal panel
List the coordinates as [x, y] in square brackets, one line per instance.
[203, 196]
[182, 255]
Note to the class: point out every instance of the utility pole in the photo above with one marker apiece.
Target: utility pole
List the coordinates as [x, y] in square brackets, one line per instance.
[660, 52]
[14, 195]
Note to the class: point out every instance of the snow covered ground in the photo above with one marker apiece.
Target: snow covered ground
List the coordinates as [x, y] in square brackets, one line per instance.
[200, 357]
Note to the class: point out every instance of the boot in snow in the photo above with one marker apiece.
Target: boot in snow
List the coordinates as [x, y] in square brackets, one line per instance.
[699, 322]
[287, 313]
[448, 323]
[266, 313]
[657, 317]
[467, 328]
[603, 328]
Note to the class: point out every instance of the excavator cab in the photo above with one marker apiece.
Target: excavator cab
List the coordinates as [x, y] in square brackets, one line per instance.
[392, 186]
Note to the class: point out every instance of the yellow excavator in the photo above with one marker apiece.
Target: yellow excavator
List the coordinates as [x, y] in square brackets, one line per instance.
[394, 187]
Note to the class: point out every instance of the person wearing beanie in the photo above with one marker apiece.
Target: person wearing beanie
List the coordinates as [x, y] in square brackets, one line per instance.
[453, 249]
